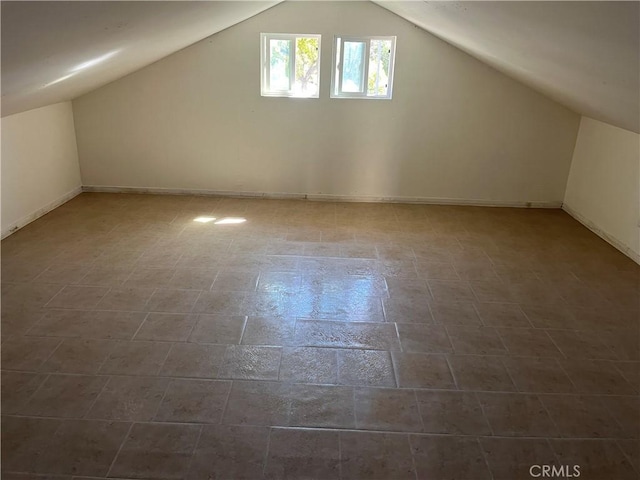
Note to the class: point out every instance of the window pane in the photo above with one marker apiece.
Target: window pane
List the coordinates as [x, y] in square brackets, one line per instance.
[353, 67]
[306, 83]
[279, 57]
[379, 54]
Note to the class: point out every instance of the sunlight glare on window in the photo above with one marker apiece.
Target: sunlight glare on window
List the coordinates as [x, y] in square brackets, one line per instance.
[279, 54]
[353, 67]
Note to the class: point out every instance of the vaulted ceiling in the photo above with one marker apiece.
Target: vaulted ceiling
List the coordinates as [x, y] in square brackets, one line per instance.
[58, 50]
[584, 55]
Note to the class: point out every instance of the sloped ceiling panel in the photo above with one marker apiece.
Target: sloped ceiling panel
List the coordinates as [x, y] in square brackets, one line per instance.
[584, 55]
[56, 51]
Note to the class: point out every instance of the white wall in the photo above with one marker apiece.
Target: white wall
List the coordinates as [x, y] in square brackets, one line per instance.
[455, 129]
[603, 190]
[39, 164]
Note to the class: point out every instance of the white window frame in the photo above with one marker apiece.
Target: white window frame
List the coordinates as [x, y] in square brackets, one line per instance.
[265, 64]
[336, 66]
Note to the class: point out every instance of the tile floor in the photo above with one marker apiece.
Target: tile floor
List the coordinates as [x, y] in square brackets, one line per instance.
[315, 340]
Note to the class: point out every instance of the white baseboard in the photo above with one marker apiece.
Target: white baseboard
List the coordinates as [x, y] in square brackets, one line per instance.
[628, 251]
[27, 219]
[324, 197]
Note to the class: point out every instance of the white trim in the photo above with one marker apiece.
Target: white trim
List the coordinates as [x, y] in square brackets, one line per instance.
[628, 251]
[324, 197]
[27, 219]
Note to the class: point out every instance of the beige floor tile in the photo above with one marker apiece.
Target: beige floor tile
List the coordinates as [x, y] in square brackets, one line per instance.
[236, 280]
[19, 321]
[597, 458]
[106, 275]
[631, 449]
[148, 277]
[27, 353]
[192, 278]
[220, 302]
[239, 453]
[258, 403]
[322, 406]
[455, 313]
[129, 398]
[419, 338]
[61, 273]
[549, 316]
[420, 370]
[593, 376]
[17, 389]
[490, 288]
[474, 372]
[475, 340]
[218, 329]
[502, 315]
[387, 409]
[408, 309]
[581, 345]
[172, 301]
[64, 396]
[194, 401]
[269, 331]
[630, 371]
[156, 451]
[63, 323]
[168, 327]
[448, 457]
[430, 270]
[126, 298]
[25, 296]
[581, 416]
[84, 447]
[511, 458]
[302, 454]
[375, 455]
[529, 342]
[79, 356]
[451, 291]
[537, 303]
[517, 414]
[79, 297]
[192, 360]
[365, 368]
[136, 358]
[402, 286]
[626, 412]
[71, 447]
[373, 336]
[309, 365]
[538, 375]
[279, 282]
[25, 442]
[250, 362]
[450, 412]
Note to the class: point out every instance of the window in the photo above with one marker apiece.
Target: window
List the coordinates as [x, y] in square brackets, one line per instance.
[363, 67]
[290, 65]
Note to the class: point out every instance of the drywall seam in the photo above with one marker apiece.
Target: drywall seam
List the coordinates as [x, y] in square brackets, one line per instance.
[628, 251]
[27, 219]
[322, 197]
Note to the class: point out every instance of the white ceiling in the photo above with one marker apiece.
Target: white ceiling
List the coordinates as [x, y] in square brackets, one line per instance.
[47, 41]
[584, 55]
